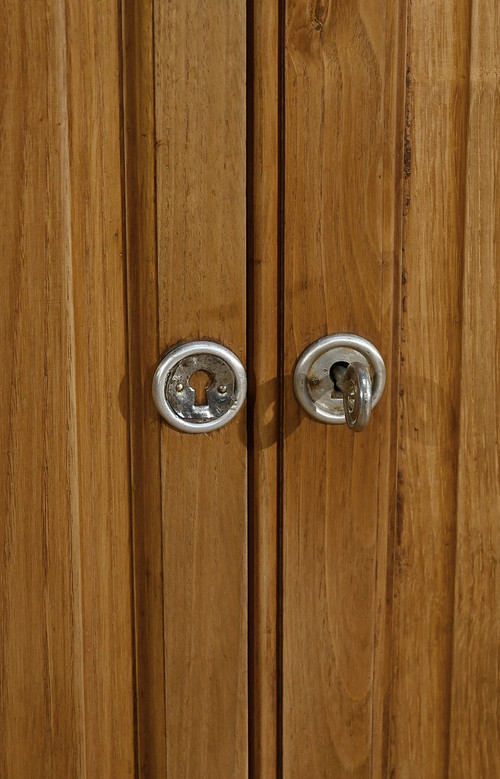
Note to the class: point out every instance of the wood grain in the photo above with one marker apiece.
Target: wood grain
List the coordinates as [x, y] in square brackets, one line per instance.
[201, 226]
[391, 631]
[263, 372]
[341, 204]
[143, 343]
[66, 686]
[431, 366]
[475, 677]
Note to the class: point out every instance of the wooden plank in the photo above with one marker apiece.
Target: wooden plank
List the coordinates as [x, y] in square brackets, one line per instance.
[42, 691]
[475, 716]
[142, 281]
[431, 365]
[94, 92]
[66, 645]
[201, 224]
[264, 386]
[341, 204]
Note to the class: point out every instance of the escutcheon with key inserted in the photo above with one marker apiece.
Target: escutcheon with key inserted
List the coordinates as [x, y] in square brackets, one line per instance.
[340, 378]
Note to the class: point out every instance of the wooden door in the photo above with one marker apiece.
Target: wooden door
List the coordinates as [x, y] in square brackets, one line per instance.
[388, 611]
[278, 598]
[66, 660]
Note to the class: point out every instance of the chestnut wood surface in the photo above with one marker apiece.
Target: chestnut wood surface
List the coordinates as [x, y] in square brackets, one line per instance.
[343, 133]
[200, 179]
[144, 350]
[391, 633]
[174, 171]
[66, 680]
[265, 384]
[475, 678]
[430, 446]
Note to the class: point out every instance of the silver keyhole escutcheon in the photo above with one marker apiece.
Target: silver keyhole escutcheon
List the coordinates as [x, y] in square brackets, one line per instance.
[175, 397]
[339, 379]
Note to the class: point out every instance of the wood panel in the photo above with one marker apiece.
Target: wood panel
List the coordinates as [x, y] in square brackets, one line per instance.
[200, 92]
[264, 337]
[66, 688]
[475, 676]
[437, 106]
[143, 342]
[343, 140]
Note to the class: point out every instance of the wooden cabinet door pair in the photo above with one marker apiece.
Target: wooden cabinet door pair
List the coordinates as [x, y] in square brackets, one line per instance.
[278, 598]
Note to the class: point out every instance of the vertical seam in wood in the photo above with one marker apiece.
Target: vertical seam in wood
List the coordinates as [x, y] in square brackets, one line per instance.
[71, 314]
[121, 11]
[131, 366]
[162, 506]
[402, 96]
[250, 351]
[263, 370]
[281, 381]
[462, 184]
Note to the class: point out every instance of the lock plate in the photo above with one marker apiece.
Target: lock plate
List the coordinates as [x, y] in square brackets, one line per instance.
[313, 384]
[219, 395]
[175, 398]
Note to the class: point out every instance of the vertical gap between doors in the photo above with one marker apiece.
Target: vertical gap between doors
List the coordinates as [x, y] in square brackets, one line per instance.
[251, 390]
[138, 138]
[254, 346]
[128, 367]
[281, 362]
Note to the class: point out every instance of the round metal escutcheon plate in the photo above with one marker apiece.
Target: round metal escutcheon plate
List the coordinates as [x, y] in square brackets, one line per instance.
[312, 381]
[176, 400]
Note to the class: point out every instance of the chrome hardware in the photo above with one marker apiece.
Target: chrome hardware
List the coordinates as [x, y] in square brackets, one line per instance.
[176, 399]
[340, 378]
[355, 383]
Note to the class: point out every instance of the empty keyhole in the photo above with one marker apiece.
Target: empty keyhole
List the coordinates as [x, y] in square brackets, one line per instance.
[200, 381]
[337, 372]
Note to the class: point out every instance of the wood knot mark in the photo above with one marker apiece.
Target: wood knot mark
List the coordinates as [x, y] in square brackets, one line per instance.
[407, 154]
[319, 14]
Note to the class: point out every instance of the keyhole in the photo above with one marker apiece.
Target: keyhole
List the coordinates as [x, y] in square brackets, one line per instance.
[337, 372]
[200, 381]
